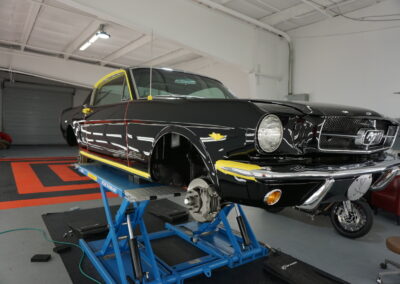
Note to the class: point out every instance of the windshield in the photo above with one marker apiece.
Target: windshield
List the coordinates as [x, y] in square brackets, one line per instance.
[175, 84]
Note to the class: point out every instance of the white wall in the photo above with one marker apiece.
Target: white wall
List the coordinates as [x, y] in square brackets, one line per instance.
[243, 84]
[235, 79]
[268, 77]
[351, 63]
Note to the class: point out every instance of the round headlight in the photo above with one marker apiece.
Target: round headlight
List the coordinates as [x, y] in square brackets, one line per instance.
[270, 133]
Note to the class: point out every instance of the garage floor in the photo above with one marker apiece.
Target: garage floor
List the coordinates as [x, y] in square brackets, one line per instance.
[315, 242]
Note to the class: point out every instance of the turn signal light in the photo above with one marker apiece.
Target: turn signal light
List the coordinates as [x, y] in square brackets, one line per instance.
[272, 197]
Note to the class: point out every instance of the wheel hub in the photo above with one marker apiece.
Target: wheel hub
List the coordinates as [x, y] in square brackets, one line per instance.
[352, 220]
[202, 200]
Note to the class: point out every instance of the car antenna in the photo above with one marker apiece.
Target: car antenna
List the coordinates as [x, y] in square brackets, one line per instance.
[150, 97]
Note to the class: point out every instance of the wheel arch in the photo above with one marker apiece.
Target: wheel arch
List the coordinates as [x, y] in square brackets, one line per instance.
[194, 140]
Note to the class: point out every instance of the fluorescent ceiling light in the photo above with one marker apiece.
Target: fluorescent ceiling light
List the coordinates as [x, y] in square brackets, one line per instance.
[93, 38]
[102, 34]
[99, 34]
[85, 45]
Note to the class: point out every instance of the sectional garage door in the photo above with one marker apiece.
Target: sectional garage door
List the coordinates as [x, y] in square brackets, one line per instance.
[31, 112]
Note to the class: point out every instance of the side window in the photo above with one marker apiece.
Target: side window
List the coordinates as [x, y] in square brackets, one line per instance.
[142, 79]
[111, 92]
[126, 95]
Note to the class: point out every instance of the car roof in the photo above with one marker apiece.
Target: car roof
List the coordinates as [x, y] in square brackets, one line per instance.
[127, 70]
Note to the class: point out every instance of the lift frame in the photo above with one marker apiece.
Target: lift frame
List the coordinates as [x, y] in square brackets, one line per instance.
[112, 256]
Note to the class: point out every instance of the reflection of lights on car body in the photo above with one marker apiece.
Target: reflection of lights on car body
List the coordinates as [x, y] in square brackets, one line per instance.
[254, 152]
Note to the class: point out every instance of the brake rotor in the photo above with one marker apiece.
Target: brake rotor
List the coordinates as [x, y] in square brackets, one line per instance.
[202, 200]
[353, 221]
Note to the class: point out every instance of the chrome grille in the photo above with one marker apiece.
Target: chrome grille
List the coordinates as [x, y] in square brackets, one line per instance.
[338, 134]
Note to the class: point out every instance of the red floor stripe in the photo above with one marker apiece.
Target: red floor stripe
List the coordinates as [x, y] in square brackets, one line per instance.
[66, 174]
[28, 182]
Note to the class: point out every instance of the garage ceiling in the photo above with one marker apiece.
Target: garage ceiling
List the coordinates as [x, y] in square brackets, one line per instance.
[54, 29]
[287, 15]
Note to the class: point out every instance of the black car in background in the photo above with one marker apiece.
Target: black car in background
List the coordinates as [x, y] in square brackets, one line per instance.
[188, 130]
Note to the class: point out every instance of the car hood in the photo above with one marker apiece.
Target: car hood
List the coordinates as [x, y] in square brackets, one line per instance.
[319, 109]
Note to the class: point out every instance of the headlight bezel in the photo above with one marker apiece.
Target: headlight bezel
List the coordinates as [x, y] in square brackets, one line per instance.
[257, 142]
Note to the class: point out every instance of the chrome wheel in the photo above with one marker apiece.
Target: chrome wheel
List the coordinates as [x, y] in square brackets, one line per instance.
[350, 217]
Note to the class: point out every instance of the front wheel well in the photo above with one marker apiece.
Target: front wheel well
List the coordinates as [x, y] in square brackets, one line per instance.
[176, 161]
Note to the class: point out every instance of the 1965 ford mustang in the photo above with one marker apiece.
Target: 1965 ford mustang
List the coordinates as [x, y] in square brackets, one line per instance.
[188, 130]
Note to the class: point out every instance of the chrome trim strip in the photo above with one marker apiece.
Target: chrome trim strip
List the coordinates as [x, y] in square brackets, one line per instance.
[315, 199]
[134, 84]
[389, 170]
[332, 172]
[353, 151]
[339, 135]
[114, 135]
[146, 139]
[350, 136]
[385, 179]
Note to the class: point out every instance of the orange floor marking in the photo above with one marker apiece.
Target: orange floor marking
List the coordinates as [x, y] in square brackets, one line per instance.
[27, 181]
[65, 173]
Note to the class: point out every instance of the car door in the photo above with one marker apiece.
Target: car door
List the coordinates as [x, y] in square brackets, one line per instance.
[104, 126]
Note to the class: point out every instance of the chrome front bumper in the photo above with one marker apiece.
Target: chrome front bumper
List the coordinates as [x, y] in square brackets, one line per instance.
[328, 175]
[388, 170]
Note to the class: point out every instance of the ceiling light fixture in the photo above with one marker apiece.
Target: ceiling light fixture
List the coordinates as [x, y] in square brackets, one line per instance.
[99, 34]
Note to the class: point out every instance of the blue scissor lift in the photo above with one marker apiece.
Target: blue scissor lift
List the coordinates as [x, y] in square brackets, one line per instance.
[124, 258]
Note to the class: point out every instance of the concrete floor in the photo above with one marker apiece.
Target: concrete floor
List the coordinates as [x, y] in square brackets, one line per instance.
[315, 242]
[17, 151]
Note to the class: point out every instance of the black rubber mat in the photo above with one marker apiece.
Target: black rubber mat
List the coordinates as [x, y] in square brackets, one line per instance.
[171, 250]
[58, 227]
[294, 271]
[168, 211]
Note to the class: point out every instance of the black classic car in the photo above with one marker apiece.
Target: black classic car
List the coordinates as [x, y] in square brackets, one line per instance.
[188, 130]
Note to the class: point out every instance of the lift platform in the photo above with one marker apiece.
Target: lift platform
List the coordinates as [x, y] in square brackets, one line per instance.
[123, 257]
